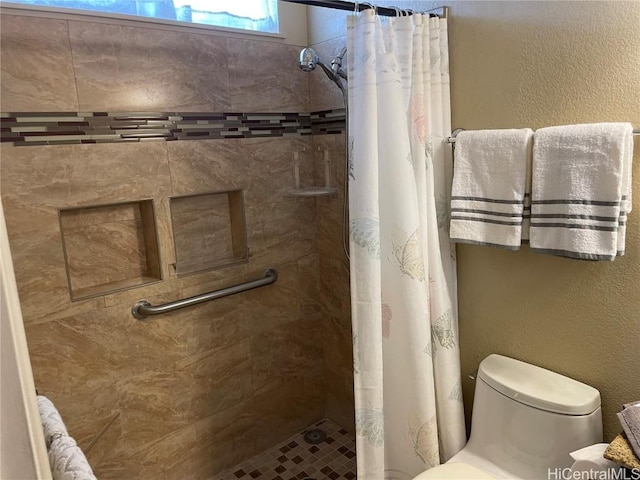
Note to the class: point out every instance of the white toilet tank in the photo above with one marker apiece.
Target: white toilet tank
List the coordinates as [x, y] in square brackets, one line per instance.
[527, 420]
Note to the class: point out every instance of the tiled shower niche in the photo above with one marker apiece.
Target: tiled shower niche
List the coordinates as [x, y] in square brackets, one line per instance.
[108, 248]
[209, 231]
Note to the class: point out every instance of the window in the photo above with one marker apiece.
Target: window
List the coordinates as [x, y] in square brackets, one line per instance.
[258, 15]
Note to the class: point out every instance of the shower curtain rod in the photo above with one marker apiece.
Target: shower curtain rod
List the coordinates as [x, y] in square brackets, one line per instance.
[342, 5]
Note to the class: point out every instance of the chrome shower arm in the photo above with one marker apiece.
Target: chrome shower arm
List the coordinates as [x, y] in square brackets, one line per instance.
[336, 64]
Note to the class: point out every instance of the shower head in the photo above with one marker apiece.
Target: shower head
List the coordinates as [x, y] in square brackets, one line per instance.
[308, 59]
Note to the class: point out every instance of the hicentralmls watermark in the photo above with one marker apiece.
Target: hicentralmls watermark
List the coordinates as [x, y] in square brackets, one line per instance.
[607, 474]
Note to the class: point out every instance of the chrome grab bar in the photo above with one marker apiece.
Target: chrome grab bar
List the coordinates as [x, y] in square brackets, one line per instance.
[143, 308]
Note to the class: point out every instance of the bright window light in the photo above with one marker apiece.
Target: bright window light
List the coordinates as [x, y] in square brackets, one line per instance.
[257, 15]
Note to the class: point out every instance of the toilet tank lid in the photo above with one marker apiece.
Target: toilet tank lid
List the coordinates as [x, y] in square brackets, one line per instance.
[538, 387]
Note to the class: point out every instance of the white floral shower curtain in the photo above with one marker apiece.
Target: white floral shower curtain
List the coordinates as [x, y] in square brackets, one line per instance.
[409, 414]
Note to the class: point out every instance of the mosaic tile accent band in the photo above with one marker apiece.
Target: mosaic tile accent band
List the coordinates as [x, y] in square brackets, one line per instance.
[68, 128]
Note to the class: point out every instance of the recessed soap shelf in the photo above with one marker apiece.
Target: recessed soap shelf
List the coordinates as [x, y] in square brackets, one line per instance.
[109, 248]
[312, 191]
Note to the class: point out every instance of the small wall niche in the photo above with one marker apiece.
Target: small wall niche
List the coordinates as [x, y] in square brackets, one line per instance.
[109, 248]
[313, 191]
[209, 231]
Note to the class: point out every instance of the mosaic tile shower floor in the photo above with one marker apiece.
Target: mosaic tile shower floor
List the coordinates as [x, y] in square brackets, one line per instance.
[295, 459]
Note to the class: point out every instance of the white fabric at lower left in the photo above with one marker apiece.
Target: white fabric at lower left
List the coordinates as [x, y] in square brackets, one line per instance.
[66, 459]
[52, 423]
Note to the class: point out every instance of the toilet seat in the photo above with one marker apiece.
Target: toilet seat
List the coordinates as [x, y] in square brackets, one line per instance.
[454, 471]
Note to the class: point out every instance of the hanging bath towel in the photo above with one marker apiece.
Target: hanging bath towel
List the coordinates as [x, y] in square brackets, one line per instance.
[489, 185]
[581, 190]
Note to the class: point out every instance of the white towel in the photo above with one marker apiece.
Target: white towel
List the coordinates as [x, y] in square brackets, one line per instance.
[526, 212]
[625, 203]
[580, 174]
[489, 182]
[52, 423]
[67, 460]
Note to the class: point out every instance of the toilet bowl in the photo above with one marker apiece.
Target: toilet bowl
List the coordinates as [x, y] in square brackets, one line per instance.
[526, 420]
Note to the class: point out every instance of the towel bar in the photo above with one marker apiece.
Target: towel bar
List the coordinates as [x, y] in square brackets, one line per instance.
[452, 138]
[142, 308]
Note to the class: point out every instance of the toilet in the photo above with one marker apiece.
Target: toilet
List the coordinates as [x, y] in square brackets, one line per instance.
[526, 420]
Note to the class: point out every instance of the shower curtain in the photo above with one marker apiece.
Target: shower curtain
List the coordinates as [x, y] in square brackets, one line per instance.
[409, 413]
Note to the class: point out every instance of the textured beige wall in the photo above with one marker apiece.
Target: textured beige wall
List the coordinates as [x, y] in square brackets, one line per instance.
[535, 64]
[187, 394]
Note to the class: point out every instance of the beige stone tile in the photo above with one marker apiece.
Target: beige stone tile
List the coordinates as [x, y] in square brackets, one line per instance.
[255, 218]
[122, 68]
[72, 366]
[106, 253]
[286, 352]
[340, 404]
[202, 239]
[208, 166]
[209, 231]
[79, 218]
[165, 237]
[41, 276]
[37, 70]
[221, 378]
[37, 181]
[334, 278]
[159, 341]
[330, 226]
[272, 175]
[215, 439]
[64, 176]
[338, 347]
[309, 280]
[212, 325]
[105, 455]
[166, 458]
[262, 167]
[265, 77]
[116, 467]
[149, 396]
[205, 282]
[289, 232]
[273, 416]
[163, 291]
[338, 357]
[273, 305]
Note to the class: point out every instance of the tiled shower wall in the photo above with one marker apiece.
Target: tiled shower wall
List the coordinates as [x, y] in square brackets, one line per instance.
[187, 394]
[334, 266]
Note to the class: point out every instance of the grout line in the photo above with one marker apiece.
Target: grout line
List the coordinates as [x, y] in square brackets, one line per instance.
[73, 65]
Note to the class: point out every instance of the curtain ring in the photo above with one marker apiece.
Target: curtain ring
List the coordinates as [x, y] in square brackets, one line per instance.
[398, 11]
[356, 10]
[372, 6]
